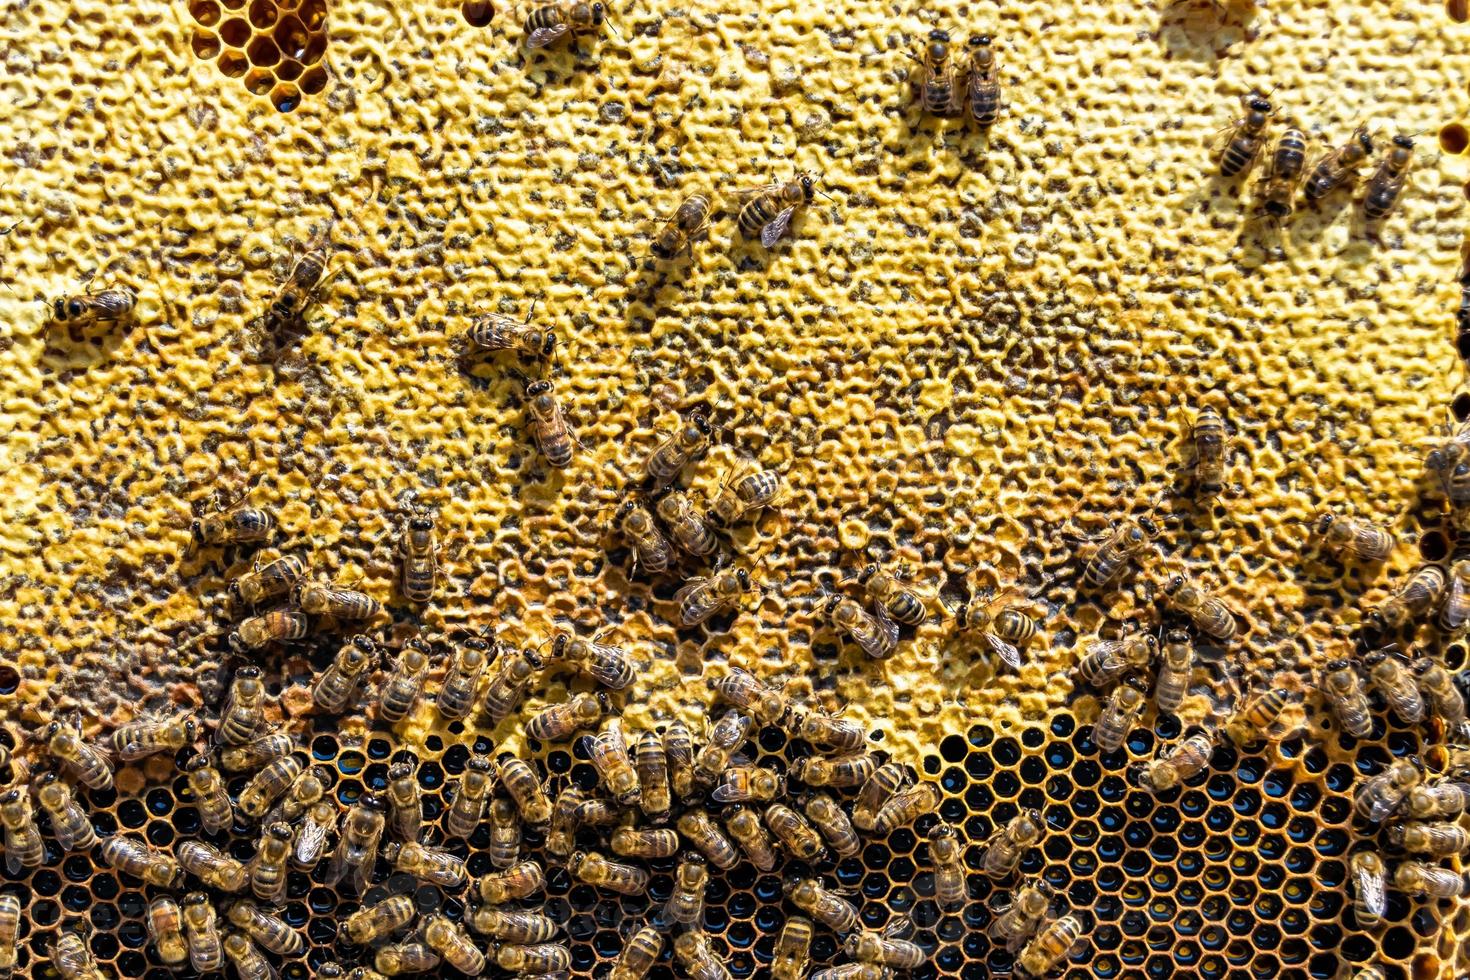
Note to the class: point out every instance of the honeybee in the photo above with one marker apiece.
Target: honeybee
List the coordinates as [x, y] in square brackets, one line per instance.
[539, 958]
[984, 86]
[596, 870]
[509, 677]
[1259, 718]
[740, 784]
[493, 332]
[338, 683]
[311, 836]
[1004, 632]
[747, 830]
[9, 926]
[135, 858]
[838, 735]
[268, 784]
[598, 813]
[604, 663]
[635, 842]
[414, 956]
[652, 767]
[470, 798]
[702, 598]
[701, 831]
[451, 943]
[686, 901]
[854, 971]
[519, 780]
[505, 833]
[828, 908]
[259, 751]
[165, 928]
[739, 495]
[1005, 848]
[229, 526]
[947, 852]
[269, 932]
[1209, 615]
[877, 636]
[262, 582]
[1381, 795]
[828, 817]
[1117, 717]
[149, 736]
[1352, 538]
[457, 692]
[876, 790]
[268, 865]
[23, 845]
[90, 766]
[1411, 603]
[1439, 839]
[871, 947]
[1338, 165]
[1176, 765]
[327, 600]
[727, 735]
[1050, 946]
[793, 951]
[283, 625]
[299, 290]
[210, 796]
[248, 961]
[687, 528]
[418, 559]
[548, 425]
[243, 713]
[1020, 921]
[687, 443]
[405, 682]
[906, 806]
[888, 590]
[213, 868]
[840, 773]
[1439, 688]
[429, 864]
[372, 923]
[1109, 660]
[201, 927]
[69, 822]
[650, 548]
[1429, 801]
[1126, 542]
[1416, 879]
[514, 925]
[679, 748]
[1449, 464]
[794, 833]
[639, 954]
[562, 833]
[106, 306]
[357, 850]
[939, 85]
[563, 18]
[71, 956]
[1454, 608]
[1278, 188]
[305, 791]
[518, 881]
[693, 951]
[1210, 436]
[1387, 182]
[689, 224]
[1175, 669]
[1238, 150]
[770, 208]
[1392, 680]
[1343, 692]
[405, 801]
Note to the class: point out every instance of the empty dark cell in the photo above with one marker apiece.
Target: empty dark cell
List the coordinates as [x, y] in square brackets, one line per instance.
[950, 811]
[1135, 863]
[46, 882]
[768, 889]
[1277, 784]
[1086, 772]
[431, 775]
[953, 780]
[824, 946]
[1158, 967]
[1359, 948]
[1005, 785]
[1271, 876]
[1240, 922]
[1192, 803]
[104, 946]
[952, 748]
[1058, 787]
[1082, 894]
[849, 871]
[1220, 787]
[1007, 752]
[76, 898]
[1370, 760]
[45, 912]
[1266, 936]
[1268, 906]
[1301, 829]
[1245, 833]
[1335, 810]
[979, 765]
[1114, 790]
[1140, 742]
[1219, 818]
[582, 898]
[159, 833]
[1246, 802]
[1294, 921]
[980, 736]
[582, 957]
[1137, 834]
[1250, 769]
[1033, 770]
[1403, 744]
[1085, 804]
[377, 748]
[1083, 864]
[582, 928]
[1163, 848]
[132, 934]
[1056, 878]
[349, 791]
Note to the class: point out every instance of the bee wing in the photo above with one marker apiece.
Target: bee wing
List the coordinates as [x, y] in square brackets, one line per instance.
[899, 927]
[13, 864]
[542, 36]
[1004, 651]
[772, 232]
[688, 589]
[1371, 892]
[728, 792]
[1454, 605]
[310, 841]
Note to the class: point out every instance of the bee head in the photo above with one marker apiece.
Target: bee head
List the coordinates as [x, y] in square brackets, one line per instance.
[237, 644]
[743, 577]
[1403, 142]
[537, 388]
[1175, 583]
[421, 524]
[808, 185]
[196, 532]
[559, 645]
[1365, 141]
[701, 423]
[598, 13]
[1149, 526]
[1259, 103]
[548, 343]
[980, 41]
[1325, 522]
[75, 307]
[867, 573]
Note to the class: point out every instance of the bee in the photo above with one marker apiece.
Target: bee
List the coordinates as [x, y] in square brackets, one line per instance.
[639, 955]
[311, 836]
[898, 602]
[1258, 718]
[135, 858]
[407, 957]
[210, 797]
[327, 600]
[700, 830]
[1352, 538]
[679, 748]
[1387, 182]
[548, 425]
[270, 932]
[257, 752]
[747, 830]
[853, 971]
[1412, 602]
[1210, 437]
[305, 791]
[563, 18]
[229, 526]
[509, 677]
[338, 683]
[984, 86]
[429, 864]
[23, 845]
[283, 625]
[1343, 692]
[877, 789]
[795, 833]
[1428, 801]
[201, 927]
[262, 582]
[1279, 185]
[149, 736]
[1439, 839]
[518, 881]
[652, 767]
[606, 664]
[693, 951]
[947, 852]
[243, 712]
[418, 558]
[166, 929]
[839, 773]
[724, 739]
[106, 306]
[702, 598]
[1181, 762]
[90, 766]
[213, 868]
[405, 801]
[562, 833]
[1439, 689]
[1118, 715]
[872, 947]
[739, 495]
[71, 956]
[451, 943]
[1454, 608]
[268, 784]
[596, 870]
[939, 83]
[519, 780]
[1246, 137]
[470, 799]
[650, 548]
[268, 866]
[686, 527]
[769, 209]
[686, 901]
[405, 682]
[905, 807]
[492, 332]
[1415, 878]
[1174, 671]
[514, 926]
[1338, 165]
[689, 224]
[633, 842]
[793, 951]
[1049, 947]
[838, 735]
[1126, 542]
[248, 962]
[357, 850]
[740, 784]
[1005, 848]
[1448, 462]
[1019, 923]
[540, 958]
[1381, 795]
[1372, 971]
[1004, 632]
[505, 833]
[1209, 615]
[1392, 680]
[299, 290]
[687, 443]
[457, 692]
[877, 636]
[828, 817]
[9, 926]
[69, 822]
[828, 908]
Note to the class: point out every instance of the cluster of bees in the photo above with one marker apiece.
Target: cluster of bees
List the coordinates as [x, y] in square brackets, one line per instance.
[947, 86]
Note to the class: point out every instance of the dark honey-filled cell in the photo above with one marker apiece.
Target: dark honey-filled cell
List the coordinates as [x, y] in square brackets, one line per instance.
[234, 63]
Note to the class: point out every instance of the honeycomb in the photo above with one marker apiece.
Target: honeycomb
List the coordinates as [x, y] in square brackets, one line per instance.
[974, 348]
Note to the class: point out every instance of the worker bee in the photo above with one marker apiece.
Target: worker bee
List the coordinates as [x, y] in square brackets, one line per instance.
[405, 801]
[1050, 946]
[1181, 762]
[1381, 795]
[1450, 464]
[606, 664]
[470, 798]
[906, 806]
[1387, 182]
[697, 957]
[262, 582]
[71, 956]
[793, 951]
[243, 713]
[414, 956]
[429, 864]
[1117, 717]
[457, 692]
[686, 527]
[135, 858]
[90, 766]
[23, 845]
[1238, 150]
[259, 751]
[1259, 718]
[69, 822]
[871, 947]
[947, 852]
[889, 591]
[9, 927]
[562, 833]
[686, 901]
[652, 767]
[519, 780]
[201, 926]
[839, 735]
[639, 954]
[832, 822]
[505, 833]
[877, 789]
[770, 208]
[1279, 185]
[311, 836]
[828, 908]
[418, 559]
[739, 495]
[1393, 682]
[596, 870]
[270, 932]
[1439, 839]
[650, 548]
[267, 785]
[1428, 801]
[165, 928]
[1338, 165]
[509, 677]
[514, 925]
[794, 833]
[1439, 689]
[853, 971]
[746, 692]
[746, 828]
[1004, 849]
[1175, 670]
[701, 831]
[1004, 632]
[357, 850]
[1127, 541]
[563, 18]
[1343, 692]
[493, 332]
[740, 784]
[1352, 538]
[1454, 608]
[1409, 604]
[560, 721]
[539, 958]
[106, 306]
[1019, 922]
[405, 682]
[702, 598]
[149, 736]
[1416, 879]
[939, 84]
[326, 600]
[212, 867]
[684, 445]
[210, 796]
[1209, 435]
[651, 843]
[877, 636]
[984, 86]
[518, 881]
[689, 224]
[305, 791]
[840, 773]
[249, 962]
[679, 748]
[283, 625]
[229, 526]
[337, 684]
[268, 865]
[299, 289]
[1209, 615]
[548, 425]
[727, 735]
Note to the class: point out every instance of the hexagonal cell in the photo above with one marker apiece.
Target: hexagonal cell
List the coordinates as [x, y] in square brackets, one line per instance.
[205, 45]
[258, 82]
[205, 12]
[234, 63]
[313, 13]
[263, 14]
[477, 13]
[235, 32]
[289, 70]
[263, 52]
[1454, 138]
